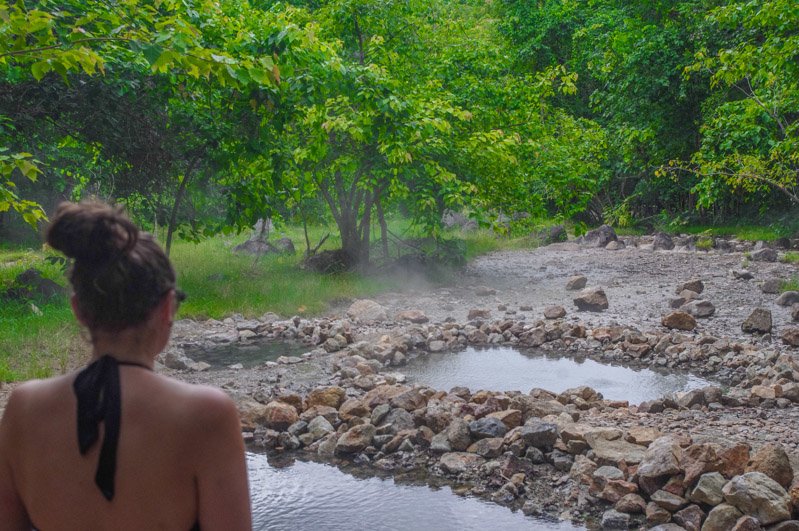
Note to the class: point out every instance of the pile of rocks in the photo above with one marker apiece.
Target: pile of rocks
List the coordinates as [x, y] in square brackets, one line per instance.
[505, 442]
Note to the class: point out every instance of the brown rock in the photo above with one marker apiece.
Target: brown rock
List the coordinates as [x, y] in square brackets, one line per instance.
[747, 523]
[409, 400]
[478, 313]
[615, 489]
[576, 282]
[292, 399]
[679, 320]
[756, 494]
[790, 336]
[326, 396]
[758, 322]
[734, 459]
[642, 435]
[722, 518]
[656, 515]
[355, 439]
[279, 415]
[591, 300]
[509, 417]
[690, 518]
[414, 316]
[772, 460]
[459, 462]
[488, 448]
[554, 312]
[353, 408]
[631, 504]
[329, 413]
[699, 459]
[383, 394]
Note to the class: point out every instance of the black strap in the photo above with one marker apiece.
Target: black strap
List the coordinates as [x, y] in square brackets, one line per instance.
[99, 400]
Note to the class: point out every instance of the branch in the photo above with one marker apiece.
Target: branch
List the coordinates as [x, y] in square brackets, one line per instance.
[69, 44]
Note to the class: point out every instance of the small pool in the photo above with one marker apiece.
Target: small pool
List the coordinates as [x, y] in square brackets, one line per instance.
[506, 369]
[246, 355]
[306, 495]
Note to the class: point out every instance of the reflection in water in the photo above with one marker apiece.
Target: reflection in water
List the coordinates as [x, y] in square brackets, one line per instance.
[505, 369]
[247, 355]
[317, 496]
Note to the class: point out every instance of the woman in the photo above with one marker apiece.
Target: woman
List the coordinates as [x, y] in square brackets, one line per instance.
[116, 446]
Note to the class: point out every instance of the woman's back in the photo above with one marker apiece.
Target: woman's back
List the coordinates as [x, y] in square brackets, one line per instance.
[174, 440]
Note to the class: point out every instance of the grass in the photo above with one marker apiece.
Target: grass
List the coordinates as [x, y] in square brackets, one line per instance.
[791, 284]
[742, 232]
[791, 257]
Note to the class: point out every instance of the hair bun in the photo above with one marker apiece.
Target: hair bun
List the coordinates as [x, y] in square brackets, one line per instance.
[91, 231]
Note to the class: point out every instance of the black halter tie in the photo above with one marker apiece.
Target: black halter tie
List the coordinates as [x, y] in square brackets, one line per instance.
[99, 400]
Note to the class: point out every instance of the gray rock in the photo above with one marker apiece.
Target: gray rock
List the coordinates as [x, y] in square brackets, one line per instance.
[771, 286]
[539, 434]
[613, 452]
[554, 312]
[690, 518]
[576, 282]
[758, 322]
[662, 242]
[788, 525]
[365, 310]
[756, 494]
[667, 500]
[591, 300]
[721, 518]
[285, 245]
[661, 460]
[606, 473]
[699, 308]
[795, 312]
[667, 527]
[764, 255]
[320, 427]
[398, 419]
[788, 298]
[599, 237]
[742, 274]
[458, 434]
[708, 489]
[613, 519]
[616, 245]
[440, 443]
[487, 427]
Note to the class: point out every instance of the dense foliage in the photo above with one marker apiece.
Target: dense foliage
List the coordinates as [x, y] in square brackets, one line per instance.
[205, 115]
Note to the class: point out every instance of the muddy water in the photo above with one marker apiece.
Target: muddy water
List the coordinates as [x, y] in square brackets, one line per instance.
[506, 369]
[306, 495]
[247, 355]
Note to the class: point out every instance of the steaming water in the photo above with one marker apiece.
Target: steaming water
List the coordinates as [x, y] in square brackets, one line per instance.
[308, 495]
[506, 369]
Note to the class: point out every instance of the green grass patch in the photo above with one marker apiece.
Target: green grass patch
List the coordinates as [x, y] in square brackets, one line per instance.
[791, 284]
[790, 257]
[742, 232]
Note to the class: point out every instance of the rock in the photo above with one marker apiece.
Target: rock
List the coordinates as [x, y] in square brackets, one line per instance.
[599, 237]
[699, 308]
[509, 417]
[642, 435]
[356, 439]
[320, 427]
[655, 514]
[662, 242]
[772, 461]
[326, 396]
[734, 459]
[695, 285]
[554, 312]
[790, 336]
[576, 282]
[679, 320]
[460, 462]
[667, 500]
[414, 316]
[617, 245]
[795, 312]
[615, 520]
[690, 518]
[660, 461]
[478, 313]
[487, 427]
[396, 421]
[631, 504]
[788, 298]
[691, 398]
[484, 291]
[722, 518]
[742, 274]
[708, 489]
[285, 245]
[330, 413]
[365, 310]
[764, 255]
[613, 452]
[488, 448]
[440, 443]
[409, 400]
[451, 219]
[591, 300]
[351, 408]
[788, 525]
[615, 489]
[541, 435]
[667, 527]
[458, 434]
[279, 415]
[756, 494]
[30, 284]
[758, 322]
[255, 246]
[771, 286]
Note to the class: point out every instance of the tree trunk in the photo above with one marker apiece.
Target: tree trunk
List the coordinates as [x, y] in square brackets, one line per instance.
[383, 229]
[173, 218]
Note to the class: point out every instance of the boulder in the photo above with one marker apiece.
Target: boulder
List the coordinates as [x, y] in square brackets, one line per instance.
[722, 518]
[764, 255]
[662, 242]
[772, 461]
[679, 320]
[458, 435]
[695, 285]
[285, 245]
[320, 427]
[487, 427]
[599, 237]
[772, 286]
[326, 396]
[365, 310]
[279, 415]
[460, 462]
[356, 439]
[30, 284]
[656, 515]
[658, 463]
[488, 448]
[690, 518]
[478, 313]
[756, 494]
[413, 316]
[795, 312]
[758, 322]
[788, 298]
[616, 451]
[790, 336]
[591, 300]
[708, 489]
[576, 282]
[631, 504]
[554, 312]
[352, 408]
[613, 519]
[617, 245]
[667, 500]
[541, 435]
[699, 308]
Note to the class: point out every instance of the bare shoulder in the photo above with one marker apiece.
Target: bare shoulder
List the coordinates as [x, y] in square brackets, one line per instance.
[33, 394]
[201, 402]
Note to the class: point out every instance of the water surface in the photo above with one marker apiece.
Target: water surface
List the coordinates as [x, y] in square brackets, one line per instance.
[506, 369]
[306, 495]
[247, 355]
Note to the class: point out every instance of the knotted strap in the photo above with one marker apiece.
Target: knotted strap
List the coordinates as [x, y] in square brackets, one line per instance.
[99, 400]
